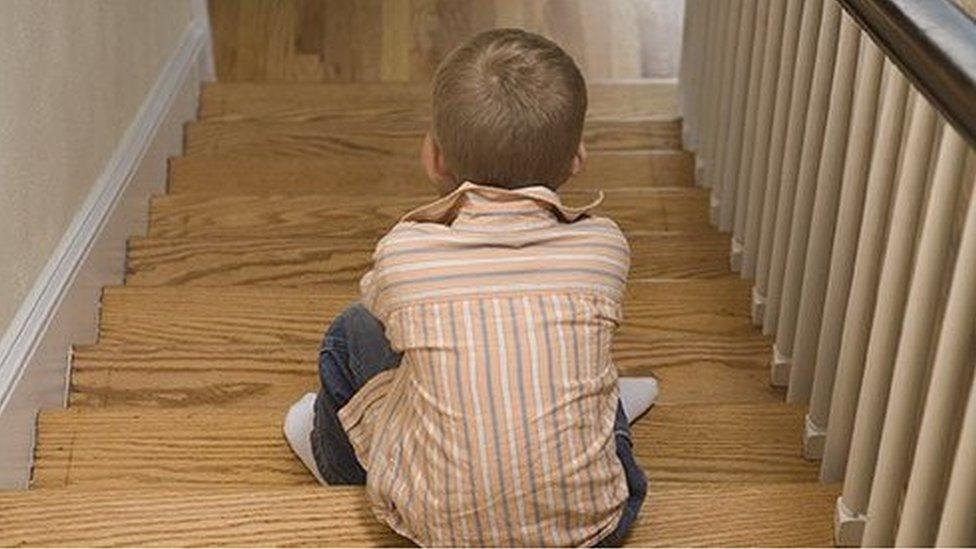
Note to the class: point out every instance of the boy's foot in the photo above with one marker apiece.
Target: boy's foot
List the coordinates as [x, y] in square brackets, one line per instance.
[298, 428]
[637, 394]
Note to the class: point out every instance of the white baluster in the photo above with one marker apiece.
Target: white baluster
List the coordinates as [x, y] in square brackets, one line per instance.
[747, 238]
[889, 310]
[858, 160]
[741, 164]
[911, 362]
[946, 395]
[735, 9]
[778, 236]
[737, 110]
[957, 527]
[684, 71]
[784, 140]
[762, 230]
[690, 40]
[867, 264]
[711, 94]
[697, 75]
[806, 277]
[789, 245]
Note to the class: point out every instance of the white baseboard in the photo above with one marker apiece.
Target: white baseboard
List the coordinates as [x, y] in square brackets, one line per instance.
[62, 307]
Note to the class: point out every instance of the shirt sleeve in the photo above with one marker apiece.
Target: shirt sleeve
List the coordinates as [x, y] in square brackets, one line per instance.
[371, 284]
[368, 291]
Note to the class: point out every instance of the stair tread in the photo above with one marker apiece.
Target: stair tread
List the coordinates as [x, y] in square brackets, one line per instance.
[174, 436]
[219, 446]
[401, 176]
[332, 101]
[309, 261]
[183, 215]
[382, 139]
[248, 375]
[242, 315]
[789, 514]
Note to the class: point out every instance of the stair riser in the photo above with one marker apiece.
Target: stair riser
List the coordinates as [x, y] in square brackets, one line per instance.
[181, 216]
[674, 515]
[687, 443]
[205, 315]
[246, 376]
[387, 140]
[402, 177]
[305, 262]
[230, 102]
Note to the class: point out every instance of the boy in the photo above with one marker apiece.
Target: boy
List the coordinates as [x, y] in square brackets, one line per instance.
[474, 382]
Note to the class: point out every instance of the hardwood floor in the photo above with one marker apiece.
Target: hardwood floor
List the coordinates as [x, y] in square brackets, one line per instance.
[291, 261]
[401, 176]
[404, 104]
[173, 434]
[403, 40]
[294, 215]
[247, 375]
[723, 515]
[361, 138]
[686, 443]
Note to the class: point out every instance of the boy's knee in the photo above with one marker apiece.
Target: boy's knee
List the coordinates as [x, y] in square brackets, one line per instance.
[354, 349]
[338, 381]
[353, 326]
[336, 388]
[356, 320]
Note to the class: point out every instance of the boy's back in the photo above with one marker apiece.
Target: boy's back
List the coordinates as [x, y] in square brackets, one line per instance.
[472, 390]
[497, 428]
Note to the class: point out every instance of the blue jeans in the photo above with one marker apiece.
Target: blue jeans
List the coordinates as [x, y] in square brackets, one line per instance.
[354, 350]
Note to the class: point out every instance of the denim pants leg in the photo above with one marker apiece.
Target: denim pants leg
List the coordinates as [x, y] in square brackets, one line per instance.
[636, 481]
[354, 350]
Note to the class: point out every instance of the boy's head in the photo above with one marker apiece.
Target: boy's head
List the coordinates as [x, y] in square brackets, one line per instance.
[508, 111]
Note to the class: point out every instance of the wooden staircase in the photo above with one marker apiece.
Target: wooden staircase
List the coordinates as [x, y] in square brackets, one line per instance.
[173, 436]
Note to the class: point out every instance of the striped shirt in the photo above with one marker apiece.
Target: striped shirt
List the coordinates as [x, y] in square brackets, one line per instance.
[497, 428]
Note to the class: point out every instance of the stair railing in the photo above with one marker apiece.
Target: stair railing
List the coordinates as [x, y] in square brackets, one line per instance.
[837, 138]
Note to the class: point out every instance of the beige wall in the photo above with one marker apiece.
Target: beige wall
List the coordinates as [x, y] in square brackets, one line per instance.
[73, 74]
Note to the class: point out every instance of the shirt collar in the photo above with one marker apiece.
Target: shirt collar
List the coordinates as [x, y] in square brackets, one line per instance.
[447, 208]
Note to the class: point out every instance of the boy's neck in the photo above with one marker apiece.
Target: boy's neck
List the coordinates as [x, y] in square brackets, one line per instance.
[446, 189]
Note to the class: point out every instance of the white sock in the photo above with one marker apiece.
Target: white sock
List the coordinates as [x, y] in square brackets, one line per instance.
[636, 395]
[298, 426]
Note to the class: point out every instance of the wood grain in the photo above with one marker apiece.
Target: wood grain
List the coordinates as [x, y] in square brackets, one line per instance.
[381, 140]
[402, 177]
[734, 370]
[174, 437]
[401, 40]
[674, 515]
[401, 104]
[305, 261]
[249, 315]
[192, 375]
[186, 517]
[223, 447]
[238, 216]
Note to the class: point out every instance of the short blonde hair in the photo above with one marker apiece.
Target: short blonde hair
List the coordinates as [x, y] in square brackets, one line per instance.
[508, 110]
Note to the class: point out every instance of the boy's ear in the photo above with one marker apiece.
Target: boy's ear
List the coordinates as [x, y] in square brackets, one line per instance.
[579, 159]
[436, 167]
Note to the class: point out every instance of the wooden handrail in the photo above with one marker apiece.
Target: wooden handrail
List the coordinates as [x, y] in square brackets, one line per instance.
[934, 44]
